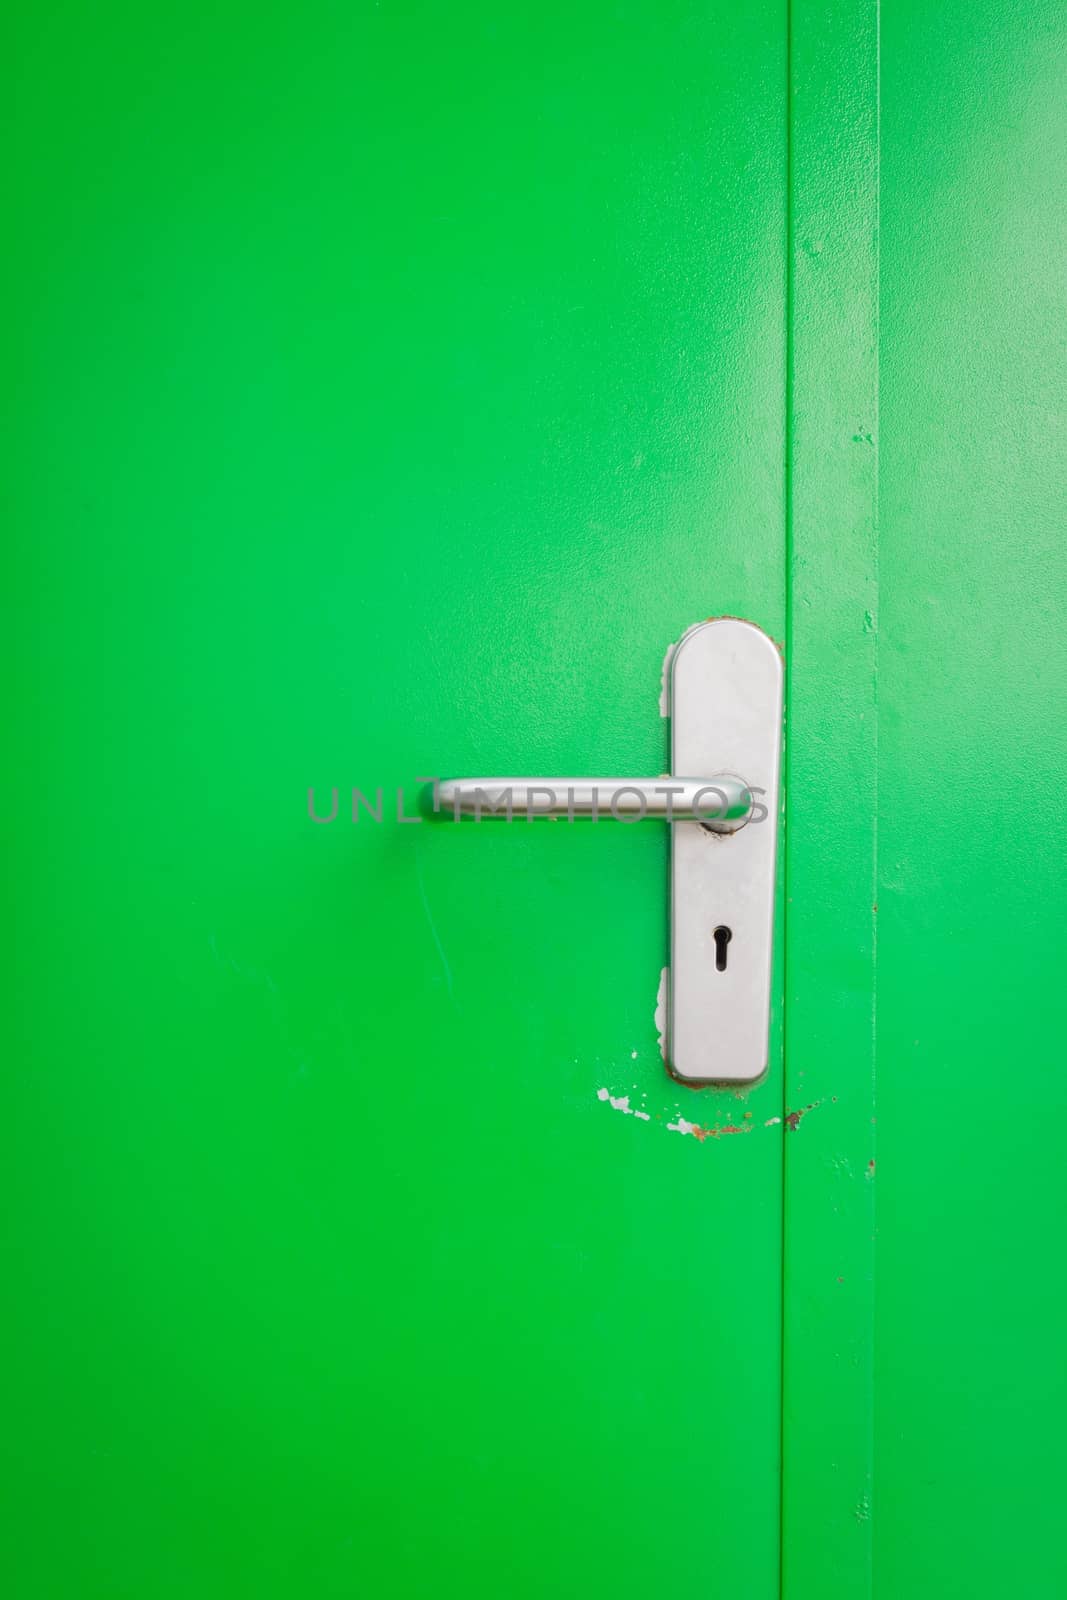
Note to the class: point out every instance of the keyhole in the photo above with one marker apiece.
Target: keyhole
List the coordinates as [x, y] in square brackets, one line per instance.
[722, 937]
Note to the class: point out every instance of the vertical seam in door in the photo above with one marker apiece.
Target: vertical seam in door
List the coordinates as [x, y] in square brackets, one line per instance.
[831, 759]
[788, 542]
[876, 512]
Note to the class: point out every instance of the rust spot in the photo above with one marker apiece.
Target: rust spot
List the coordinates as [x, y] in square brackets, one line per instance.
[792, 1118]
[716, 1133]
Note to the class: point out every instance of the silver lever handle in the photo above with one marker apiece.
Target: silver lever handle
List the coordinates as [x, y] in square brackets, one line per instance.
[723, 803]
[725, 705]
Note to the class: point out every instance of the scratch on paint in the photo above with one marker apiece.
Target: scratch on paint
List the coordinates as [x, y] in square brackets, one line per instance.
[245, 970]
[699, 1131]
[433, 930]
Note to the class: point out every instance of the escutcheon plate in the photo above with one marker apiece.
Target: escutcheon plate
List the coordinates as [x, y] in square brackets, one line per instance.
[726, 716]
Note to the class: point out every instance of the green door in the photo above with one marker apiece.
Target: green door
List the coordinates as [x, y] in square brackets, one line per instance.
[398, 385]
[392, 386]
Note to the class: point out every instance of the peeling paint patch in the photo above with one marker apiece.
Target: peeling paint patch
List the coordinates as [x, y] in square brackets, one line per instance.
[621, 1102]
[665, 681]
[660, 1015]
[702, 1131]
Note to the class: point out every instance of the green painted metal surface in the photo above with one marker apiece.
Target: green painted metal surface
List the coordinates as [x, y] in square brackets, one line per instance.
[971, 1385]
[394, 384]
[924, 1382]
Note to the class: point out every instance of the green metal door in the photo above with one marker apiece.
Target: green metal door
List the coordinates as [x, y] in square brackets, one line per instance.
[393, 385]
[398, 383]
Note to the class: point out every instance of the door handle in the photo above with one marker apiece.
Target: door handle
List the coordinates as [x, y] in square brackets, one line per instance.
[722, 803]
[725, 690]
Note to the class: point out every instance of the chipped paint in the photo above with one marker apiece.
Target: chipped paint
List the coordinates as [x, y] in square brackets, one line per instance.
[793, 1118]
[665, 680]
[701, 1131]
[660, 1014]
[723, 1131]
[621, 1102]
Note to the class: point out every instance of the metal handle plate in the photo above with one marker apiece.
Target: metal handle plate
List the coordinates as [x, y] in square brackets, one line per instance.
[726, 708]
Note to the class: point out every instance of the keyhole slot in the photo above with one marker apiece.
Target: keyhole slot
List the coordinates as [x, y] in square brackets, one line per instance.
[722, 937]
